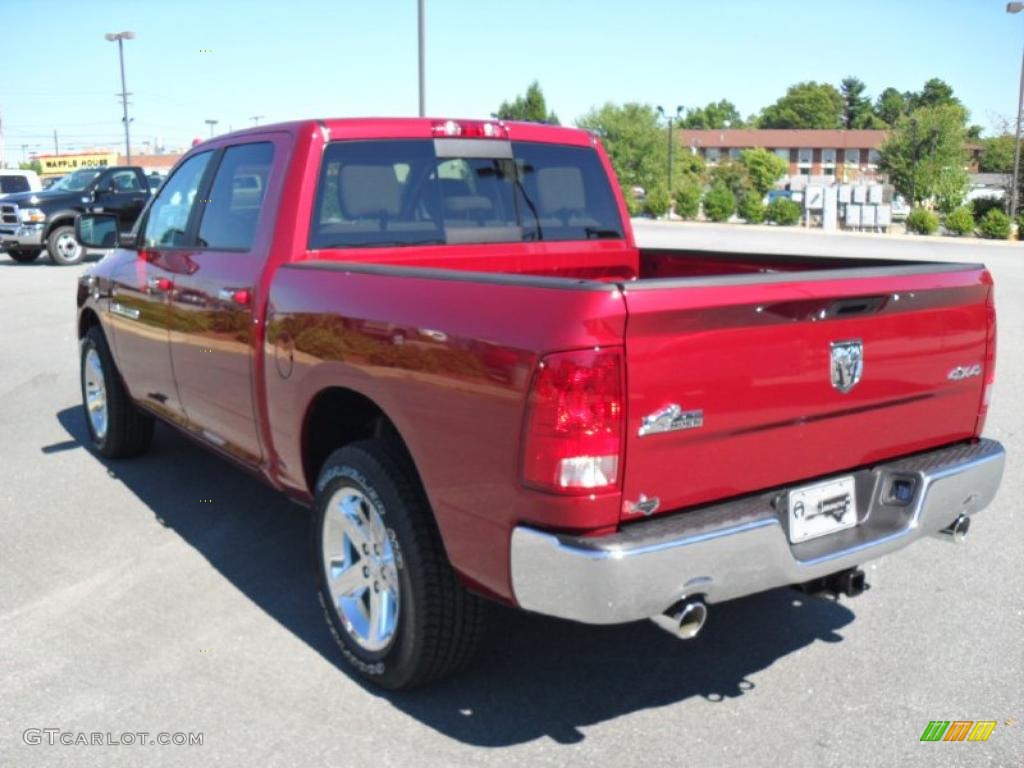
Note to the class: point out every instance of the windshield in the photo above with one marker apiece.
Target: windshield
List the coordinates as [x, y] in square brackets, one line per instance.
[77, 181]
[400, 192]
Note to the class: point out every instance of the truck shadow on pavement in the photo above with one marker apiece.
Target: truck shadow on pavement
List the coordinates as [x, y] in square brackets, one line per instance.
[534, 676]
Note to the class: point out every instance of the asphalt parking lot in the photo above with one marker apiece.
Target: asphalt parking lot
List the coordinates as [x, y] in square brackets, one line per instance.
[173, 594]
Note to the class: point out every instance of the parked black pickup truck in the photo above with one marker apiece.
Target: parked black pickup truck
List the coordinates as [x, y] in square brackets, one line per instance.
[31, 221]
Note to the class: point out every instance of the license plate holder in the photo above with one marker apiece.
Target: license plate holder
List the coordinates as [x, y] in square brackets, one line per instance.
[822, 508]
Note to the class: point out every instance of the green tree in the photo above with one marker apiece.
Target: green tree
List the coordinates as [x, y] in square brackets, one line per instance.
[734, 176]
[856, 106]
[688, 199]
[935, 93]
[997, 154]
[532, 107]
[923, 146]
[764, 168]
[805, 105]
[890, 106]
[719, 202]
[950, 188]
[637, 146]
[31, 165]
[717, 114]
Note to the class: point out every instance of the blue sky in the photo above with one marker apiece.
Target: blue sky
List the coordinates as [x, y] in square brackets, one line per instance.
[307, 58]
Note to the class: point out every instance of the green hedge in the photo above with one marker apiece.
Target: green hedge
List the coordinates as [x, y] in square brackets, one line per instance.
[921, 221]
[783, 211]
[960, 221]
[995, 225]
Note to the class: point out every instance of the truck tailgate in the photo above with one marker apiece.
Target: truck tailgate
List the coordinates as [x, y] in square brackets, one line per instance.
[749, 361]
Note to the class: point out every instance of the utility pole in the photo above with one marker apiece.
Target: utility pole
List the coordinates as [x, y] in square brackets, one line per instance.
[256, 119]
[120, 37]
[56, 145]
[1014, 193]
[671, 119]
[211, 123]
[422, 36]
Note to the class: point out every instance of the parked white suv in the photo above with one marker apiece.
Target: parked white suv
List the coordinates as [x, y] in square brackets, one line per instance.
[14, 181]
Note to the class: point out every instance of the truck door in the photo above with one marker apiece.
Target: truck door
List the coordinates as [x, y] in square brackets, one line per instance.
[213, 333]
[122, 192]
[139, 308]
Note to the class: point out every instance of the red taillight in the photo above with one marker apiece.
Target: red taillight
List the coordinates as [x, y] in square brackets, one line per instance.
[990, 360]
[475, 129]
[573, 440]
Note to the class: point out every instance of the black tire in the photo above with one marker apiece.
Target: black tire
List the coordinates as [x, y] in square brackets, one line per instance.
[24, 256]
[439, 621]
[129, 430]
[59, 256]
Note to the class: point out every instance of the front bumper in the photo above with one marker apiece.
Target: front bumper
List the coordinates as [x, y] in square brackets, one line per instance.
[21, 236]
[741, 547]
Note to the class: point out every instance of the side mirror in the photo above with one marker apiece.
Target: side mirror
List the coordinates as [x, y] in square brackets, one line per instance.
[99, 230]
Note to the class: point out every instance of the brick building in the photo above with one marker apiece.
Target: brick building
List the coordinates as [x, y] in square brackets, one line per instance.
[848, 155]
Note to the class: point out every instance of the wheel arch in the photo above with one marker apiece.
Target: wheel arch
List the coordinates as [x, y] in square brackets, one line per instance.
[59, 219]
[337, 416]
[86, 320]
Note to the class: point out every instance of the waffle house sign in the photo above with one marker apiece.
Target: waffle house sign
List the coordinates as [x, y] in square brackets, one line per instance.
[56, 165]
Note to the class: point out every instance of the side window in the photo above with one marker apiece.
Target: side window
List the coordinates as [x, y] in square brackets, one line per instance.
[125, 181]
[168, 216]
[231, 214]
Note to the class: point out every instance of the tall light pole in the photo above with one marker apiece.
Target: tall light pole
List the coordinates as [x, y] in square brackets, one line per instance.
[256, 119]
[120, 37]
[211, 123]
[1016, 8]
[423, 75]
[671, 119]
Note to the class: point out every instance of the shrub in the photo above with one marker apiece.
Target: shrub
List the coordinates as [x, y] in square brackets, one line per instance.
[960, 221]
[995, 225]
[921, 221]
[783, 211]
[751, 208]
[1020, 226]
[688, 200]
[719, 202]
[982, 205]
[657, 202]
[633, 205]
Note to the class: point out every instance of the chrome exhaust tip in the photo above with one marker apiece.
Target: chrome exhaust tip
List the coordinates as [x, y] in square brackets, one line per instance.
[957, 531]
[685, 619]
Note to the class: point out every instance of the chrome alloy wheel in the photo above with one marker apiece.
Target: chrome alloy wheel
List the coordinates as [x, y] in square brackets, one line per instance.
[360, 569]
[68, 248]
[95, 391]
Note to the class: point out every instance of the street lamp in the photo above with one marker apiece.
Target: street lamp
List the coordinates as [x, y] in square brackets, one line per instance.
[120, 37]
[670, 118]
[421, 24]
[212, 123]
[1016, 8]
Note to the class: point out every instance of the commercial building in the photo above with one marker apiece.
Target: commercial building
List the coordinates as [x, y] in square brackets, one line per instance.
[847, 156]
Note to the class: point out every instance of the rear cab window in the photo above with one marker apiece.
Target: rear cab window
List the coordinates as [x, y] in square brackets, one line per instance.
[12, 184]
[421, 192]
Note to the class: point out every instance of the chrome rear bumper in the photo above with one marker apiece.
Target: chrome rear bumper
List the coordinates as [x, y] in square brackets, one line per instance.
[741, 547]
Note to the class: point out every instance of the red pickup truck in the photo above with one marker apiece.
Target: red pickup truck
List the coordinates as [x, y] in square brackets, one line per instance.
[442, 336]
